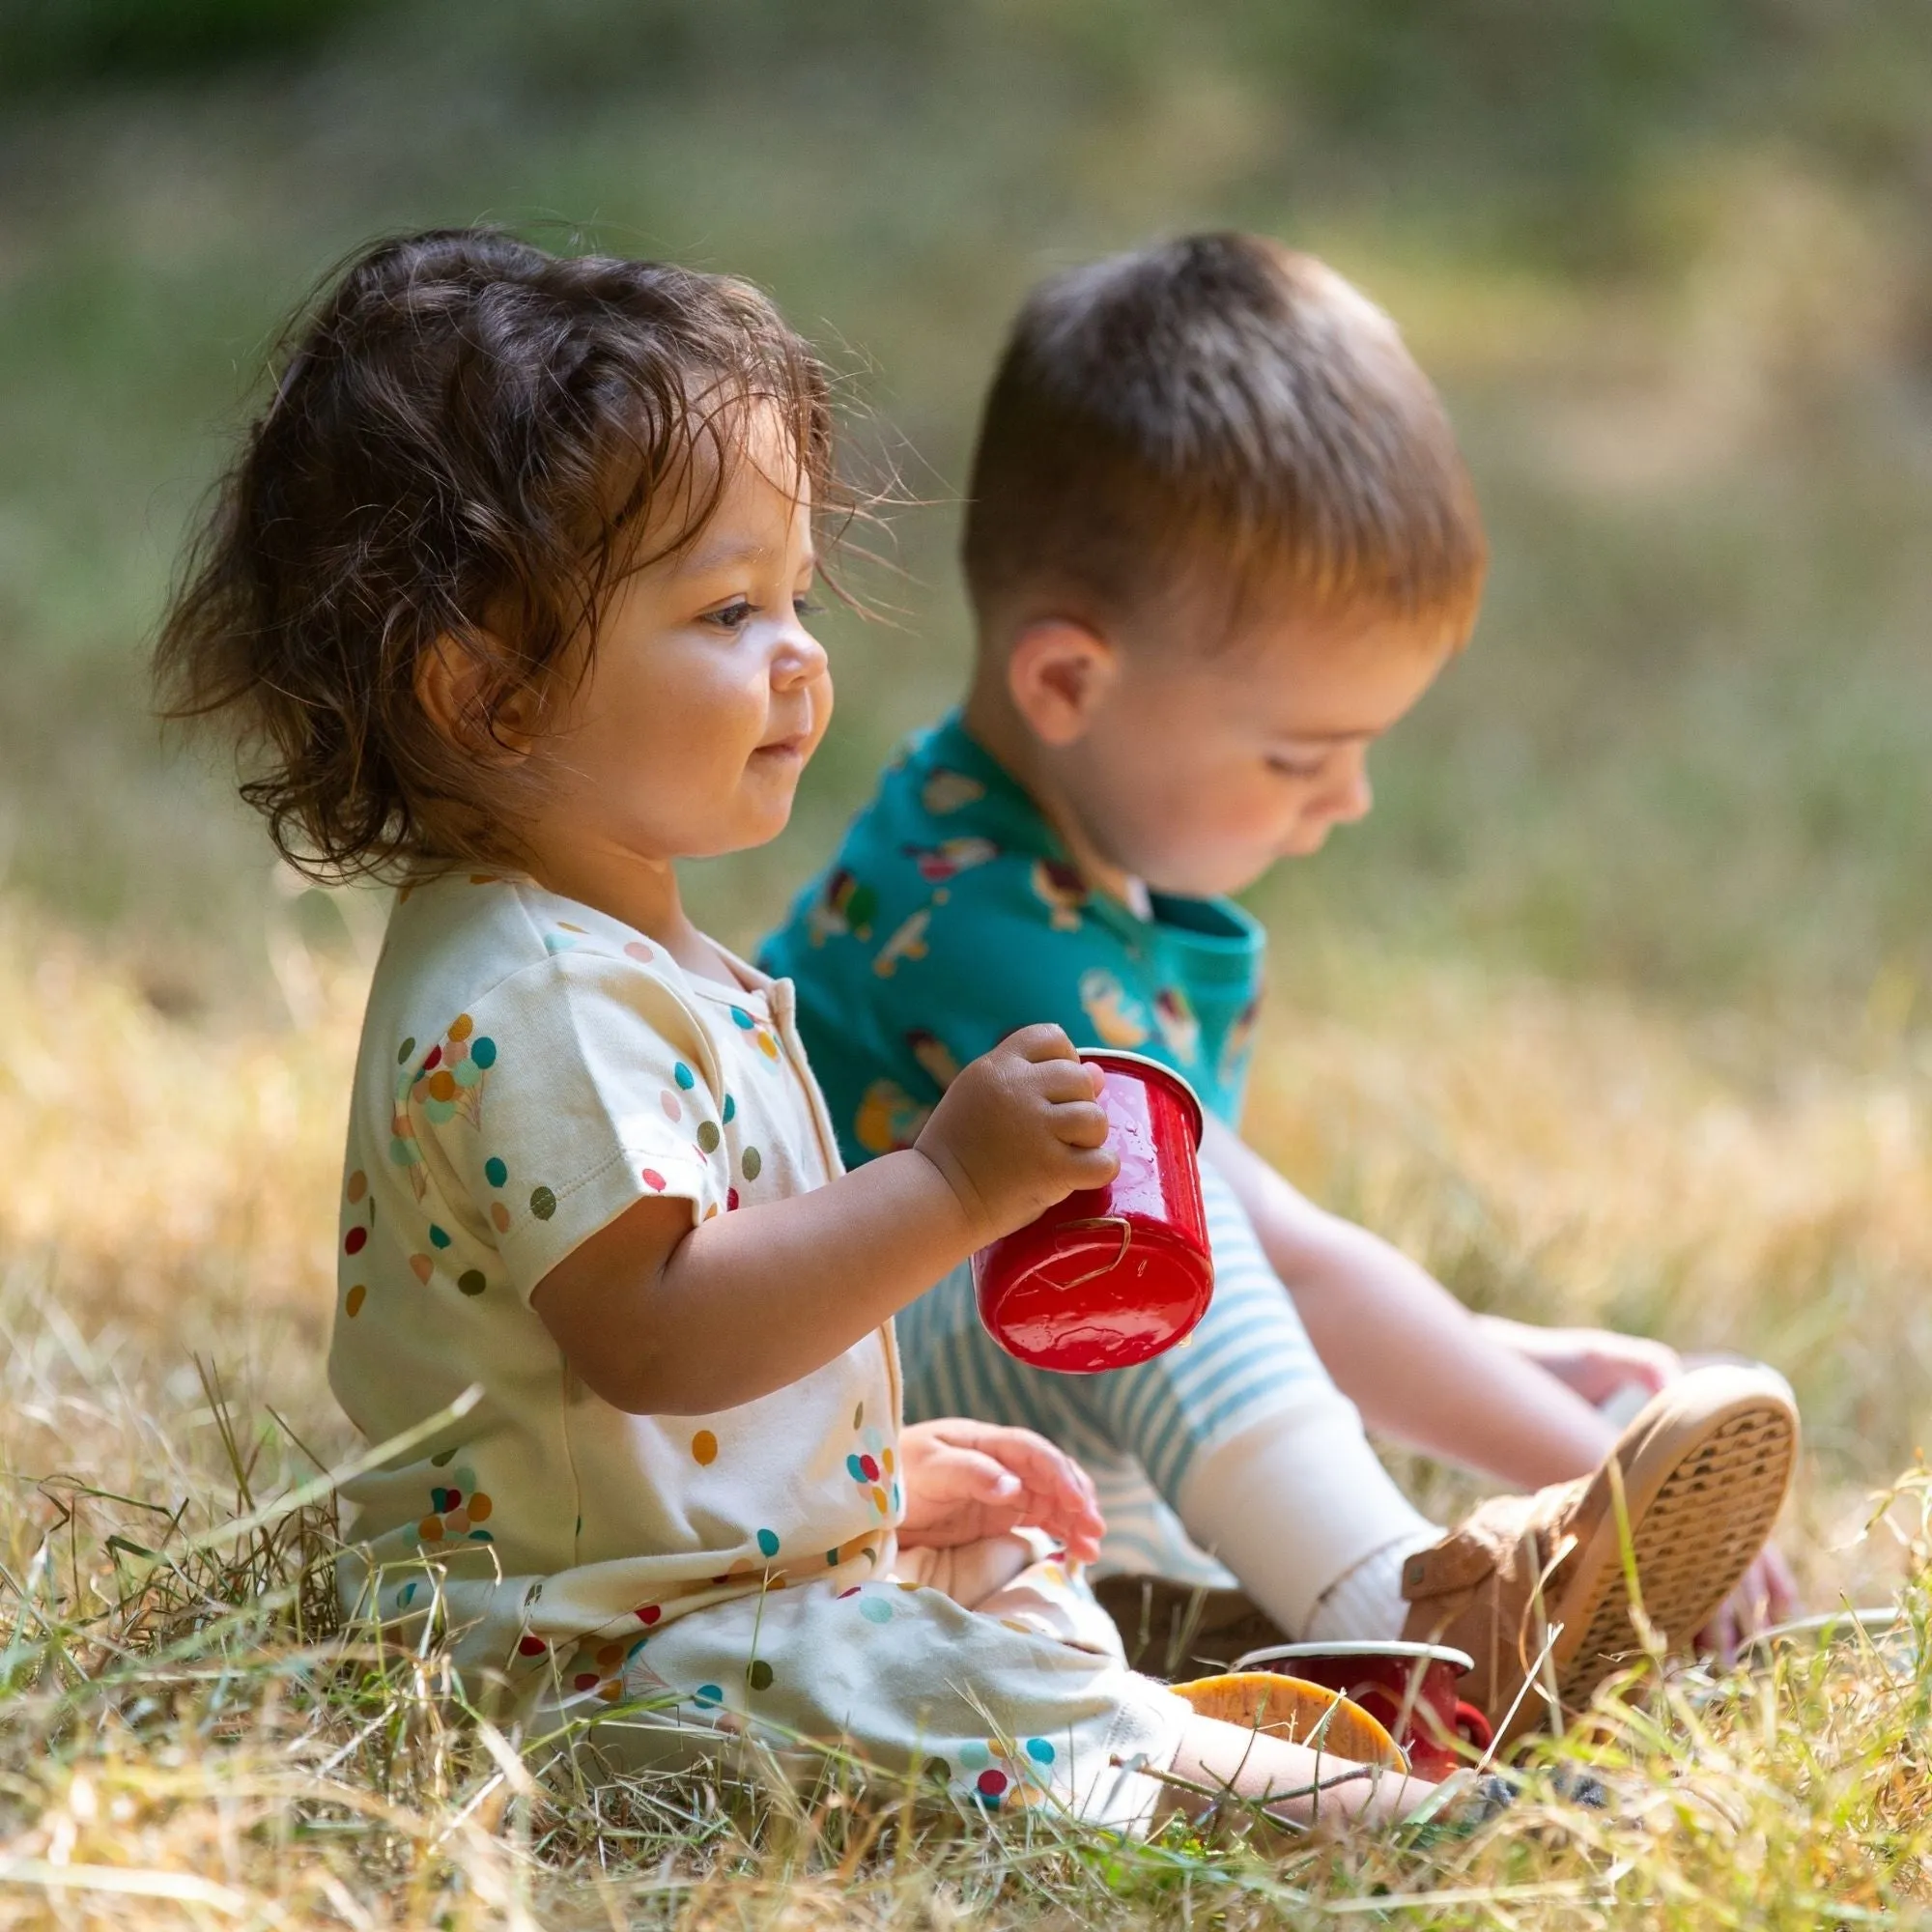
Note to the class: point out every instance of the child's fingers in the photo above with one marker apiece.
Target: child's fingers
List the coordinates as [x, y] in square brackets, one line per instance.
[957, 1474]
[1079, 1124]
[1039, 1462]
[1083, 1169]
[1781, 1586]
[1066, 1081]
[1057, 1489]
[1042, 1042]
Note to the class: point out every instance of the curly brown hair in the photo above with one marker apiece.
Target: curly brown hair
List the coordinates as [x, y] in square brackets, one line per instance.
[466, 439]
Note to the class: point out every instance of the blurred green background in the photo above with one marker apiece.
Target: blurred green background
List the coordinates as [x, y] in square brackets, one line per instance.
[1668, 259]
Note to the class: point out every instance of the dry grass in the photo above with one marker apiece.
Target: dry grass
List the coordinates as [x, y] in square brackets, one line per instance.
[182, 1741]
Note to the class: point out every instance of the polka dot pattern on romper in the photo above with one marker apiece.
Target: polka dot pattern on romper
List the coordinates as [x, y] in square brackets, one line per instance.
[759, 1675]
[704, 1448]
[768, 1541]
[352, 1305]
[457, 1511]
[471, 1281]
[494, 1170]
[708, 1137]
[751, 1162]
[543, 1203]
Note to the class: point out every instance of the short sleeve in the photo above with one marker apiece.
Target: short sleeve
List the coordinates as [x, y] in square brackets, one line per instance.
[567, 1093]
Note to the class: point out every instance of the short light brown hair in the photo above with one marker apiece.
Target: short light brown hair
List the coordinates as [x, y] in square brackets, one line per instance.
[467, 438]
[1217, 414]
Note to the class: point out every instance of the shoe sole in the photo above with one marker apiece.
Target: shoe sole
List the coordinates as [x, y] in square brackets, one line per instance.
[1701, 1491]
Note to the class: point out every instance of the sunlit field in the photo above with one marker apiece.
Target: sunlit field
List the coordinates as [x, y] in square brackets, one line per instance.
[1616, 1011]
[182, 1739]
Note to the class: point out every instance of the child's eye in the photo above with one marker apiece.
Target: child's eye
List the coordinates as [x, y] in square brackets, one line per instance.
[731, 617]
[805, 607]
[1295, 768]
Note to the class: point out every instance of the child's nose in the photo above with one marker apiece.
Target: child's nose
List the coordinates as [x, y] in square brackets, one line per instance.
[1354, 798]
[801, 657]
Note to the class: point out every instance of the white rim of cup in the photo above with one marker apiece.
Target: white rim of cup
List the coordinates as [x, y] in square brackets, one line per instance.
[1357, 1647]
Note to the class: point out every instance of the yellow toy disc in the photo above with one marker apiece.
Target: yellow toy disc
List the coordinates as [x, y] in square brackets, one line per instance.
[1302, 1713]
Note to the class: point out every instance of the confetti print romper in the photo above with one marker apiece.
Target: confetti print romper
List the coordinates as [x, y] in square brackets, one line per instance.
[529, 1069]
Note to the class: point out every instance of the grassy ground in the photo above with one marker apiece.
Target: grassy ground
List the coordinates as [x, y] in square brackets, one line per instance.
[179, 1742]
[1615, 1011]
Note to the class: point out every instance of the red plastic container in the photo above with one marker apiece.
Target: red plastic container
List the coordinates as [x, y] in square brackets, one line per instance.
[1113, 1275]
[1409, 1689]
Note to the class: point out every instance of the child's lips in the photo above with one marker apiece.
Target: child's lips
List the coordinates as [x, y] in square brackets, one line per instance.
[783, 751]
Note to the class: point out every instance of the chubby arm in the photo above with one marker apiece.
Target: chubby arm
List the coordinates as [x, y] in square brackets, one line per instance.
[1417, 1363]
[659, 1318]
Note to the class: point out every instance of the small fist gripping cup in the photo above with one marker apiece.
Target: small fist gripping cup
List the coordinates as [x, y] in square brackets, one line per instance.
[1113, 1275]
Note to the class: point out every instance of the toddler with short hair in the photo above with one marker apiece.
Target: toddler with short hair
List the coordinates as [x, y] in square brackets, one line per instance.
[1218, 540]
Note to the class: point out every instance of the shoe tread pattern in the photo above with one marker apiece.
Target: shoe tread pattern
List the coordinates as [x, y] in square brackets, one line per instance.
[1710, 1519]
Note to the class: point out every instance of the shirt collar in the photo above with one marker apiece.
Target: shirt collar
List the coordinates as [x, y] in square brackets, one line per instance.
[1013, 820]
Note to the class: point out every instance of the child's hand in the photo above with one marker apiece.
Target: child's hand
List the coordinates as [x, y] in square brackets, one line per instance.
[1595, 1362]
[966, 1482]
[1018, 1130]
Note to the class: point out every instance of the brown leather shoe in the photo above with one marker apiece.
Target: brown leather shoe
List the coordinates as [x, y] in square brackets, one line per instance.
[1705, 1466]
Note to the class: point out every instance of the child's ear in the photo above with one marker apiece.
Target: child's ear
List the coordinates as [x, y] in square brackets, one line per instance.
[451, 683]
[1058, 675]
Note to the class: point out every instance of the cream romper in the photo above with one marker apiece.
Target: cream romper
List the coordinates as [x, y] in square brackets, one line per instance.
[528, 1068]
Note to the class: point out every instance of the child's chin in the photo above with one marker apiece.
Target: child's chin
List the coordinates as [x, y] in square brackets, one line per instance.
[1304, 844]
[762, 821]
[1210, 882]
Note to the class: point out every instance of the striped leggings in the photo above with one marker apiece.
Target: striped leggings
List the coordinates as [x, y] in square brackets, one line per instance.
[1142, 1431]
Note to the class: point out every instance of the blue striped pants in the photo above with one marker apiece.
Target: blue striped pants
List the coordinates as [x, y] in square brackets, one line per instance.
[1139, 1432]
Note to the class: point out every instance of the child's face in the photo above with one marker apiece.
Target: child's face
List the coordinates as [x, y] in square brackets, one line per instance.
[1195, 771]
[704, 694]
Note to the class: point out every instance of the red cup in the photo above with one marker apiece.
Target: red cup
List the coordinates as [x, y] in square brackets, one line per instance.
[1113, 1275]
[1409, 1689]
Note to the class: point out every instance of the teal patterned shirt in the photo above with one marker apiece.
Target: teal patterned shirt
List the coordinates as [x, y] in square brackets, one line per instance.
[952, 916]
